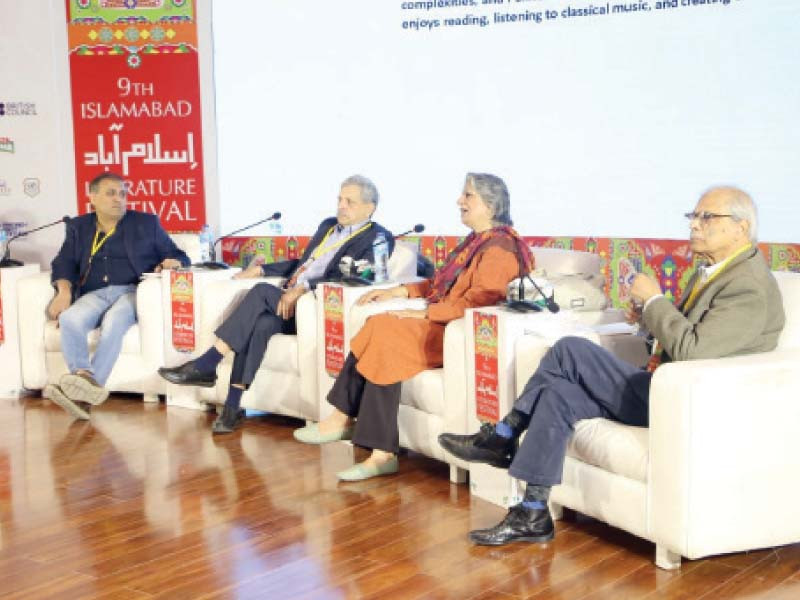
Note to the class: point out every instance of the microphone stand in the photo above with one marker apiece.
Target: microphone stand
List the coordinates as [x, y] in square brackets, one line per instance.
[7, 261]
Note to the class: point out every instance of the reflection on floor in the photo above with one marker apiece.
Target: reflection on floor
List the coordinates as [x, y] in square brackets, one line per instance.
[143, 502]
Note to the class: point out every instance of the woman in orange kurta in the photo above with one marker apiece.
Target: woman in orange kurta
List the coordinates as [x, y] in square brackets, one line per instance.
[396, 345]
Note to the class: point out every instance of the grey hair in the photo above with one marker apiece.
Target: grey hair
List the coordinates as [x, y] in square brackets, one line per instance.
[494, 193]
[741, 207]
[369, 193]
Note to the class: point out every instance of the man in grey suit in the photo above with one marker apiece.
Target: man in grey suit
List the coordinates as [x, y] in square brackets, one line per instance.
[731, 306]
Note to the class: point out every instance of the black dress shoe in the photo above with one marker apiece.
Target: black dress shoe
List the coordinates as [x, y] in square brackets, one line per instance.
[228, 421]
[188, 374]
[484, 447]
[519, 525]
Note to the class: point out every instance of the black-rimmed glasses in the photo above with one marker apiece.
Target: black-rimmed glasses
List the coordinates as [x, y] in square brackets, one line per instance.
[704, 216]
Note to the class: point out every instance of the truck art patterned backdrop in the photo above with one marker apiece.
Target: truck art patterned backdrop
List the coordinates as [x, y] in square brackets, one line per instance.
[668, 260]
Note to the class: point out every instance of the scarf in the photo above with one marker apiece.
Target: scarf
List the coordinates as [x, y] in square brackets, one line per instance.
[460, 258]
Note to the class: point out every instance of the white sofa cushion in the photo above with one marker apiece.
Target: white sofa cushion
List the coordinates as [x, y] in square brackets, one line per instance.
[282, 354]
[131, 343]
[611, 446]
[425, 392]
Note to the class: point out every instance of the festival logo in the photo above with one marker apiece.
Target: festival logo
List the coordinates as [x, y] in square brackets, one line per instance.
[487, 403]
[333, 309]
[182, 300]
[148, 129]
[31, 187]
[4, 189]
[6, 145]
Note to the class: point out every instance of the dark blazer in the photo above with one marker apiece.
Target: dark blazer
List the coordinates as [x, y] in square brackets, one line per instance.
[359, 247]
[146, 243]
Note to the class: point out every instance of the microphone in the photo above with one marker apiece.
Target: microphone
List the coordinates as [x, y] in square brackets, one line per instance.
[418, 228]
[550, 302]
[523, 305]
[7, 261]
[213, 264]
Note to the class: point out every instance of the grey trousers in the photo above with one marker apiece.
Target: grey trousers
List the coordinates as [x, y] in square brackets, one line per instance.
[576, 380]
[249, 328]
[375, 407]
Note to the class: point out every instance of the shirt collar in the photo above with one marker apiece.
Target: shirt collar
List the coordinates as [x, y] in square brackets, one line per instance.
[350, 229]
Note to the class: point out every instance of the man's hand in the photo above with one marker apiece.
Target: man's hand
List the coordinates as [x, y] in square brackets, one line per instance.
[399, 291]
[644, 287]
[288, 301]
[251, 272]
[633, 314]
[409, 314]
[59, 304]
[168, 263]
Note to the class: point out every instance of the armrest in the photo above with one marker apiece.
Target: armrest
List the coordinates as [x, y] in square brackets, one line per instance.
[724, 434]
[34, 293]
[358, 315]
[456, 404]
[150, 315]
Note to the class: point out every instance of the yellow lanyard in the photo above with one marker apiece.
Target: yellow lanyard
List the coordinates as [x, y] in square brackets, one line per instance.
[95, 245]
[322, 248]
[699, 288]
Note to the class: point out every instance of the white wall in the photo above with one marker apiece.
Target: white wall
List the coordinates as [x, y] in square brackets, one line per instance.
[607, 125]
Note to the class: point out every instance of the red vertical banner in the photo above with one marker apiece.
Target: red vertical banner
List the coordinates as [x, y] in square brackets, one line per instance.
[136, 105]
[2, 329]
[181, 288]
[333, 308]
[487, 404]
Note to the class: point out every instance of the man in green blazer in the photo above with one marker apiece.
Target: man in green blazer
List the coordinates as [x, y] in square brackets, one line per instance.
[731, 306]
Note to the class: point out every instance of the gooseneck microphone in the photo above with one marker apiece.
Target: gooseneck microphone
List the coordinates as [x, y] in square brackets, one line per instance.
[418, 228]
[213, 264]
[523, 305]
[7, 261]
[550, 302]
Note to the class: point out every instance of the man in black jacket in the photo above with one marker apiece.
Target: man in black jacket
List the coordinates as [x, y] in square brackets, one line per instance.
[267, 310]
[95, 275]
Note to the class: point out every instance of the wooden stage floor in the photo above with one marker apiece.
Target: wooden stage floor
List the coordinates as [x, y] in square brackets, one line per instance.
[142, 502]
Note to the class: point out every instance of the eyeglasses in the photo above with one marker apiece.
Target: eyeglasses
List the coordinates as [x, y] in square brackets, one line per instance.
[704, 216]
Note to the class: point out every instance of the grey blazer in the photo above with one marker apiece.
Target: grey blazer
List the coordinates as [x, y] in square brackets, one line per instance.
[739, 312]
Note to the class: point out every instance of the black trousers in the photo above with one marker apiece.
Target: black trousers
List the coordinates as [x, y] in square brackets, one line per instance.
[374, 406]
[249, 328]
[576, 380]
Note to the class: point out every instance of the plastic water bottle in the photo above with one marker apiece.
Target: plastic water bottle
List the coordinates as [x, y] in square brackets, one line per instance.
[3, 242]
[380, 252]
[206, 244]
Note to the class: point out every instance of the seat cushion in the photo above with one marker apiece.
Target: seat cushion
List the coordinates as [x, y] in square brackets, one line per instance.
[282, 354]
[131, 343]
[425, 392]
[614, 447]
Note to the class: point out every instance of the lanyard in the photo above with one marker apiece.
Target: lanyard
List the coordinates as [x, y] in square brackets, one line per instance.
[698, 287]
[693, 295]
[95, 245]
[323, 249]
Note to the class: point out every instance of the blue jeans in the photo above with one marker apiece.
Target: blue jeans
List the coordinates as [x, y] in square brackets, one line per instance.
[113, 308]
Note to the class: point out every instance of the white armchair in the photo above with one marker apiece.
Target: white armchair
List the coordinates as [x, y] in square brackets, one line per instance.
[716, 471]
[142, 347]
[433, 401]
[287, 382]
